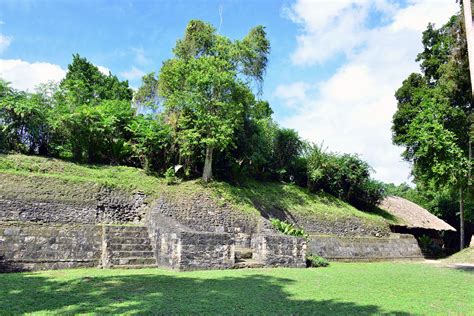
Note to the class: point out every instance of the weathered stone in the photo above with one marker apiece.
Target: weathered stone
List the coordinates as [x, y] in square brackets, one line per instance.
[40, 247]
[396, 246]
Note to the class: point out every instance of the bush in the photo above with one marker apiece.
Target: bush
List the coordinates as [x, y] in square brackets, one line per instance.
[287, 228]
[313, 261]
[344, 176]
[170, 177]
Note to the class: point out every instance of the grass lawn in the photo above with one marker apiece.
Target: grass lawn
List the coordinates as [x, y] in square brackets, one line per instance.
[350, 288]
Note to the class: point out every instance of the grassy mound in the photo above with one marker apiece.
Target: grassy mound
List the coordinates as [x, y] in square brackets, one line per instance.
[464, 256]
[341, 289]
[252, 197]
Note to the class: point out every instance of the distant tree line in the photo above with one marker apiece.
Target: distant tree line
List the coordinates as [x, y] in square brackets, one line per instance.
[200, 111]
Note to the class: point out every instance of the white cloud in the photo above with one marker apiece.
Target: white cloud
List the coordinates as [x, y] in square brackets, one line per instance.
[5, 41]
[140, 56]
[133, 74]
[352, 110]
[417, 16]
[26, 76]
[331, 27]
[103, 70]
[294, 93]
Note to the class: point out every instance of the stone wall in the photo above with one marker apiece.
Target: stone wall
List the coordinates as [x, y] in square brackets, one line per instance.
[199, 212]
[37, 247]
[277, 250]
[201, 250]
[182, 248]
[46, 200]
[396, 246]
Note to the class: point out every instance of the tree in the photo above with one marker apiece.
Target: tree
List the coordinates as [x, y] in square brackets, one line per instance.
[433, 112]
[147, 96]
[24, 120]
[85, 84]
[467, 12]
[205, 84]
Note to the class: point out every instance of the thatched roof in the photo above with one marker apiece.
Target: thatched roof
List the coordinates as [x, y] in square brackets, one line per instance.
[412, 215]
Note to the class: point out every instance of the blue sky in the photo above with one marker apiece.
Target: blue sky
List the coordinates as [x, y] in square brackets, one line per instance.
[334, 65]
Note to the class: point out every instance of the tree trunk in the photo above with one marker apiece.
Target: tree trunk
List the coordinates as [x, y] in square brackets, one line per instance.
[207, 173]
[461, 218]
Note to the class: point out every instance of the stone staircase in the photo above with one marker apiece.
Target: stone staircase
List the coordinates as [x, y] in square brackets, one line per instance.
[243, 259]
[127, 247]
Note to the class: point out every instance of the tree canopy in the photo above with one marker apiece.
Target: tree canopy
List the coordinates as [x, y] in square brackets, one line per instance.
[200, 113]
[434, 114]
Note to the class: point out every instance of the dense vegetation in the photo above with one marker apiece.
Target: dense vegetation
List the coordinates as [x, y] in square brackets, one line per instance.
[201, 115]
[340, 289]
[435, 124]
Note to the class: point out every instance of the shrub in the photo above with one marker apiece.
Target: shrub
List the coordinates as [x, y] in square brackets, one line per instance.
[344, 176]
[170, 177]
[287, 228]
[313, 261]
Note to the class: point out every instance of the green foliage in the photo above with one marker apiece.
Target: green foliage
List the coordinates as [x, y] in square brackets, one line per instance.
[85, 84]
[287, 148]
[150, 142]
[99, 133]
[147, 96]
[204, 94]
[345, 176]
[170, 177]
[287, 228]
[432, 119]
[313, 261]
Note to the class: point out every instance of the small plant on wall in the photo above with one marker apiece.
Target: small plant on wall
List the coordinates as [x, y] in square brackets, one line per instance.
[313, 261]
[287, 228]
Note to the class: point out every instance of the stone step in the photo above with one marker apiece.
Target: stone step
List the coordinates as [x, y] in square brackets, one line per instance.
[134, 266]
[132, 261]
[130, 247]
[243, 253]
[128, 240]
[125, 234]
[125, 228]
[132, 254]
[247, 263]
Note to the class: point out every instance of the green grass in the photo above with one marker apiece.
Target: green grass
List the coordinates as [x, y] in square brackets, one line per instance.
[252, 197]
[297, 200]
[464, 256]
[340, 289]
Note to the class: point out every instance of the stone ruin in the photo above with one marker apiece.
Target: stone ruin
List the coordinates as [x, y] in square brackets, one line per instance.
[109, 228]
[101, 227]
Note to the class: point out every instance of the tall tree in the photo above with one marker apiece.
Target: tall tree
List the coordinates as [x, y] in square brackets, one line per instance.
[205, 84]
[432, 119]
[467, 12]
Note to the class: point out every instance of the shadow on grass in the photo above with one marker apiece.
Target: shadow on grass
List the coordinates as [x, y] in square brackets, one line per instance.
[382, 213]
[163, 294]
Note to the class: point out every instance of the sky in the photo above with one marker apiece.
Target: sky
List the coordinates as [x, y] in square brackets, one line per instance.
[334, 64]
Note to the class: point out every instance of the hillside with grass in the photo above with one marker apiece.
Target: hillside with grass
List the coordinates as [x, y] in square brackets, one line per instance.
[464, 256]
[44, 177]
